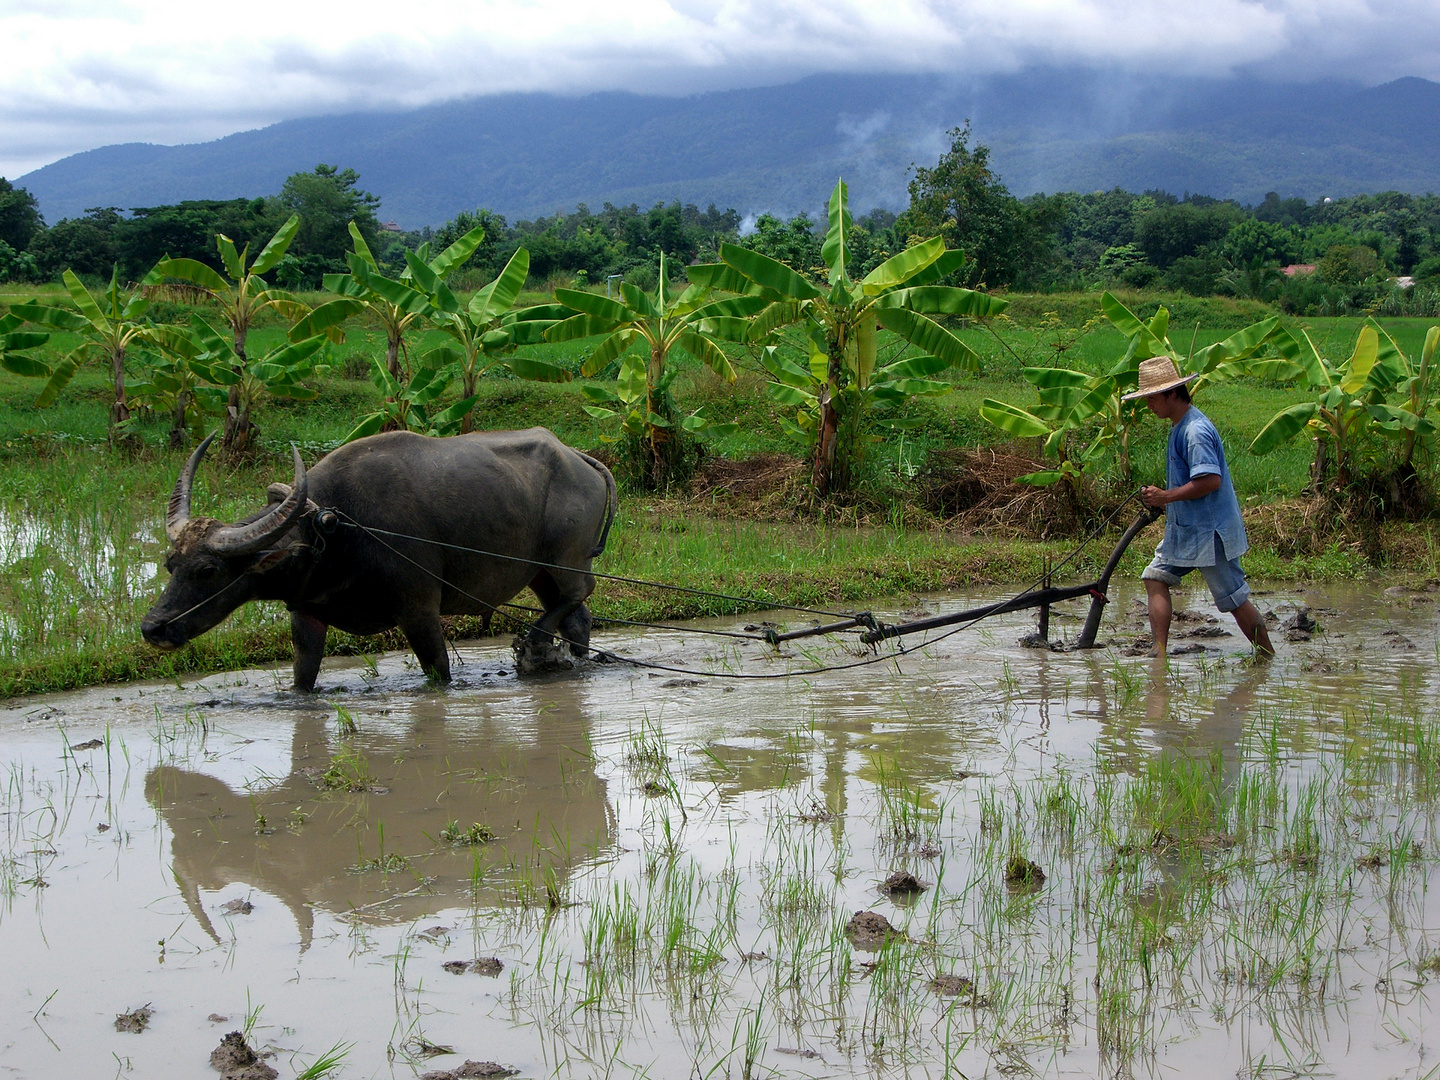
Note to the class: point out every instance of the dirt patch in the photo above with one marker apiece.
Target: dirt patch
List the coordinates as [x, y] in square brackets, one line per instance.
[89, 744]
[237, 907]
[1022, 875]
[469, 1070]
[979, 490]
[871, 931]
[1300, 626]
[958, 986]
[135, 1021]
[759, 478]
[481, 965]
[235, 1059]
[904, 884]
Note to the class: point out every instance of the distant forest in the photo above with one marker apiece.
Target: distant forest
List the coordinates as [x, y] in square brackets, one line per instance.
[1367, 252]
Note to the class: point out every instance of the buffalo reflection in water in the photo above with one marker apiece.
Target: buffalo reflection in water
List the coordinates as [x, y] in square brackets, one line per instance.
[308, 847]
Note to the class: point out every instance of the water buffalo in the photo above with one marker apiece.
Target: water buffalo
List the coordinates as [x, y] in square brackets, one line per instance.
[521, 494]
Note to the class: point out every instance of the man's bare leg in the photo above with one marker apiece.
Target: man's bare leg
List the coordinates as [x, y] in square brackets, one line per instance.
[1252, 625]
[1157, 600]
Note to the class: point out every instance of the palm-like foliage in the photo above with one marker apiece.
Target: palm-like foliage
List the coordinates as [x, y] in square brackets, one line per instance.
[487, 331]
[397, 304]
[241, 293]
[659, 322]
[109, 325]
[843, 322]
[1348, 401]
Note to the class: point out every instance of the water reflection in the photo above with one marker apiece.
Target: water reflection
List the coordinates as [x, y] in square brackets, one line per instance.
[358, 824]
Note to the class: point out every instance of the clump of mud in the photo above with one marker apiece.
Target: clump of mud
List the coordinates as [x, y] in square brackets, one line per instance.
[234, 1059]
[1022, 875]
[542, 658]
[135, 1021]
[237, 907]
[959, 986]
[469, 1070]
[481, 965]
[904, 884]
[870, 931]
[1300, 626]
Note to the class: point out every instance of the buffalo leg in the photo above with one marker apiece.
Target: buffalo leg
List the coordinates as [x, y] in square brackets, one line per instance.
[560, 605]
[307, 635]
[427, 640]
[575, 630]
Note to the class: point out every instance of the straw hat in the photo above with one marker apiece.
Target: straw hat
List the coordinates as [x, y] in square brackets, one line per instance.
[1157, 375]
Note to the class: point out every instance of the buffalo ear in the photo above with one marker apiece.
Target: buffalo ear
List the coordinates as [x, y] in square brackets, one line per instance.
[277, 493]
[268, 560]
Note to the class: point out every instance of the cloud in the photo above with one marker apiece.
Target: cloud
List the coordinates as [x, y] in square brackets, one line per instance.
[82, 73]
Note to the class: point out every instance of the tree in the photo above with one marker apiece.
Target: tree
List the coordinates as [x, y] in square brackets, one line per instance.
[660, 323]
[962, 201]
[1344, 393]
[85, 245]
[398, 304]
[487, 330]
[1169, 232]
[241, 294]
[329, 203]
[108, 327]
[843, 323]
[19, 216]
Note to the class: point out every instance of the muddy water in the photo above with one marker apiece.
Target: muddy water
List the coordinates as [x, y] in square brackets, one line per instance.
[667, 861]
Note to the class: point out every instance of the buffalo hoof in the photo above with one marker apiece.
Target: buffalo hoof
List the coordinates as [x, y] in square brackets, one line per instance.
[542, 657]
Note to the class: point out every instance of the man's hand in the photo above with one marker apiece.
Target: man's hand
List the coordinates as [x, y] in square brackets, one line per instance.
[1196, 489]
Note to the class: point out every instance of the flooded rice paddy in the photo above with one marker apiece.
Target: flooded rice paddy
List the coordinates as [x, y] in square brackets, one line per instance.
[1070, 864]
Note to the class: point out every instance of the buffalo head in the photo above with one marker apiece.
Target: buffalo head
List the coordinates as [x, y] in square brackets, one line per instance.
[214, 567]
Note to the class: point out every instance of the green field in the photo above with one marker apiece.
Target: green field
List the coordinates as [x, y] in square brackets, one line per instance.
[80, 520]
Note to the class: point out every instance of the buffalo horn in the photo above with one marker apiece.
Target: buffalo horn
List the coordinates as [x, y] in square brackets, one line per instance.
[179, 512]
[264, 530]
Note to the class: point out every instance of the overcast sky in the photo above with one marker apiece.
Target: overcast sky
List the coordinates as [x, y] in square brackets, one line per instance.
[85, 73]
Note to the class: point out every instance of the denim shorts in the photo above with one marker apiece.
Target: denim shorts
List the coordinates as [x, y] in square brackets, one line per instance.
[1226, 579]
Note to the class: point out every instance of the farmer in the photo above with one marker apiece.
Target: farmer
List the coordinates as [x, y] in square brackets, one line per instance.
[1203, 530]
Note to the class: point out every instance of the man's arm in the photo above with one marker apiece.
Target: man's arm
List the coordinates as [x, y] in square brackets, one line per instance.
[1197, 488]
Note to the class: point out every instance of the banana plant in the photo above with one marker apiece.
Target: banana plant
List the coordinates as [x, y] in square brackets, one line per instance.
[15, 342]
[179, 384]
[1082, 417]
[487, 331]
[660, 322]
[250, 380]
[1073, 410]
[1339, 415]
[109, 325]
[241, 294]
[407, 405]
[1413, 420]
[843, 322]
[398, 304]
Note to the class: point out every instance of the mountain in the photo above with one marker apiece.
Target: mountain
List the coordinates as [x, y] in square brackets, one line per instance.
[780, 148]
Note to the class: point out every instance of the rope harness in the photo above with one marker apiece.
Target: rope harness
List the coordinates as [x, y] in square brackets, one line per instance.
[328, 519]
[864, 619]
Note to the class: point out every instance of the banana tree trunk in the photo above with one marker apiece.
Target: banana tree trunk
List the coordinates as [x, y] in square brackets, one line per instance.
[468, 383]
[119, 411]
[177, 423]
[237, 419]
[661, 442]
[823, 473]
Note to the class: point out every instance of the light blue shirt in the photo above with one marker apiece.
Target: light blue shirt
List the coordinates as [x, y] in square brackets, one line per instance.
[1191, 526]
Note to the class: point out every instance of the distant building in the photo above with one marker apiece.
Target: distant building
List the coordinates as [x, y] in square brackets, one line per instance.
[1298, 269]
[391, 226]
[1405, 281]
